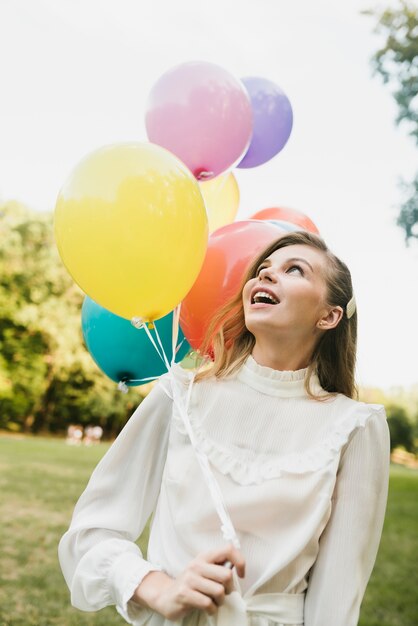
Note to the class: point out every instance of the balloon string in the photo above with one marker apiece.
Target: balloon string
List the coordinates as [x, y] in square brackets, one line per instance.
[227, 527]
[182, 405]
[175, 333]
[140, 380]
[166, 362]
[179, 346]
[138, 323]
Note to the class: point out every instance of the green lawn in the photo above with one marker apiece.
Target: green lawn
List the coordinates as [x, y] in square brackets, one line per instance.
[40, 481]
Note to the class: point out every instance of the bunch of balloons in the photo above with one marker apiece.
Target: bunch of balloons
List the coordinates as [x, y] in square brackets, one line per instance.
[132, 220]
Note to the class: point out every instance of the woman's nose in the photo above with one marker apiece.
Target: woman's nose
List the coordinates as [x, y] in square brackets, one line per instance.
[267, 274]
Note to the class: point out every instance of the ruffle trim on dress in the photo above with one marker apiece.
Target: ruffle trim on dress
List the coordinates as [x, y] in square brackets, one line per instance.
[247, 467]
[280, 383]
[268, 373]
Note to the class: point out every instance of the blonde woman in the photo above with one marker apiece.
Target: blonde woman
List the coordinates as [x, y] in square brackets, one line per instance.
[302, 467]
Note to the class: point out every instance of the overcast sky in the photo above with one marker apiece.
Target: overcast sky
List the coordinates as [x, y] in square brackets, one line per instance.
[75, 75]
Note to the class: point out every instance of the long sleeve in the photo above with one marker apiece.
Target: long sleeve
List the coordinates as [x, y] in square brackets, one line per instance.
[100, 561]
[349, 544]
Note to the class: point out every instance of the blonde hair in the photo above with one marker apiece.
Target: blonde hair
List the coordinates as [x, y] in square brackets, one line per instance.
[229, 342]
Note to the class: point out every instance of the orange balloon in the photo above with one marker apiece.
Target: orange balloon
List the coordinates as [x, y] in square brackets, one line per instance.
[231, 249]
[288, 215]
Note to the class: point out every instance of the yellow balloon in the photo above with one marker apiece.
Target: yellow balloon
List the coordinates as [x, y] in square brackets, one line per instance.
[131, 228]
[221, 196]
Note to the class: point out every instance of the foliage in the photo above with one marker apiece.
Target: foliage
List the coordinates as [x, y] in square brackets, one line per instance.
[408, 216]
[398, 401]
[397, 63]
[47, 378]
[401, 429]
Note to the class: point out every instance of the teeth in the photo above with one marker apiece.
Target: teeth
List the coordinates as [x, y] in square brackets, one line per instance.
[257, 297]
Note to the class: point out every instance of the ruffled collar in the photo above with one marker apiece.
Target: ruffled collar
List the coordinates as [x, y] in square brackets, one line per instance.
[286, 384]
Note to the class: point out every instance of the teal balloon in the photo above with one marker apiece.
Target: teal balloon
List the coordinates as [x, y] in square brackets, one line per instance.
[125, 353]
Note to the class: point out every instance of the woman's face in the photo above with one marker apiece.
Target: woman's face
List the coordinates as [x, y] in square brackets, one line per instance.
[288, 293]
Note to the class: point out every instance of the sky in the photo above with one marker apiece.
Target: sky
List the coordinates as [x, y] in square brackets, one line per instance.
[75, 75]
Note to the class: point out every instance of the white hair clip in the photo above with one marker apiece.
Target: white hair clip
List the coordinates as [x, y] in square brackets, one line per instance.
[350, 309]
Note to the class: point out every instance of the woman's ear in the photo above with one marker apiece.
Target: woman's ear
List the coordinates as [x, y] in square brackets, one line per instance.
[331, 318]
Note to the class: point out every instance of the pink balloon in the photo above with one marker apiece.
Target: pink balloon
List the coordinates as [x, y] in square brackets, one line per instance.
[202, 114]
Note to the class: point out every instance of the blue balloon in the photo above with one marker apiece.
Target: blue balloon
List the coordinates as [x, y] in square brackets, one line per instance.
[288, 226]
[122, 352]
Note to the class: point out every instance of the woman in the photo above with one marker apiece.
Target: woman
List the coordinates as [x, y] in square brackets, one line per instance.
[303, 469]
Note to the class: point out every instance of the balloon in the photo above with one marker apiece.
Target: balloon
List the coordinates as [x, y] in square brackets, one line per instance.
[131, 228]
[231, 250]
[221, 196]
[288, 215]
[202, 114]
[121, 351]
[287, 226]
[272, 121]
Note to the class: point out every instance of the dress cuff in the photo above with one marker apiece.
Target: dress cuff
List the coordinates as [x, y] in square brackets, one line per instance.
[124, 577]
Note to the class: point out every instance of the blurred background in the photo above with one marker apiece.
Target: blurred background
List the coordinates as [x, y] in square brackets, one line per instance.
[75, 75]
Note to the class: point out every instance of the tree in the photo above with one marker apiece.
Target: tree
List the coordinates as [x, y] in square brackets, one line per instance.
[401, 429]
[47, 378]
[397, 63]
[408, 216]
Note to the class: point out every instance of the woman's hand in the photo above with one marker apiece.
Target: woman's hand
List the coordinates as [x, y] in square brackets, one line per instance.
[202, 585]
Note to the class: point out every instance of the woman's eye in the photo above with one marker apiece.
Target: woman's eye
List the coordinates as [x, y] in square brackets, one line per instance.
[295, 268]
[259, 269]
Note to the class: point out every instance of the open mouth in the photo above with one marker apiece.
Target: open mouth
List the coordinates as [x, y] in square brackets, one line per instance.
[263, 297]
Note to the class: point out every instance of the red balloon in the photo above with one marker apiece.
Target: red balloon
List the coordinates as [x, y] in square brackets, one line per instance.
[288, 215]
[231, 249]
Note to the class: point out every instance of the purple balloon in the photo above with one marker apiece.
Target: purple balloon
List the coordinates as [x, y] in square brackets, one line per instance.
[272, 121]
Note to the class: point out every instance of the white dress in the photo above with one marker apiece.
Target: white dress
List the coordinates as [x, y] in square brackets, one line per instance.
[305, 483]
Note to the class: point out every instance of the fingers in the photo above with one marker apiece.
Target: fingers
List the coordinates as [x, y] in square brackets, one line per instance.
[206, 581]
[198, 600]
[217, 573]
[227, 553]
[216, 591]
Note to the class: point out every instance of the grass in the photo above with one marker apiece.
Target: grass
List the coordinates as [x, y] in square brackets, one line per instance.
[392, 595]
[40, 481]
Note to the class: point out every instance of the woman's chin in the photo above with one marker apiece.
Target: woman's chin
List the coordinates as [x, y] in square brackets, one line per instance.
[260, 320]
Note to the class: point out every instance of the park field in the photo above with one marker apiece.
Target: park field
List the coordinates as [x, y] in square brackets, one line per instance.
[40, 481]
